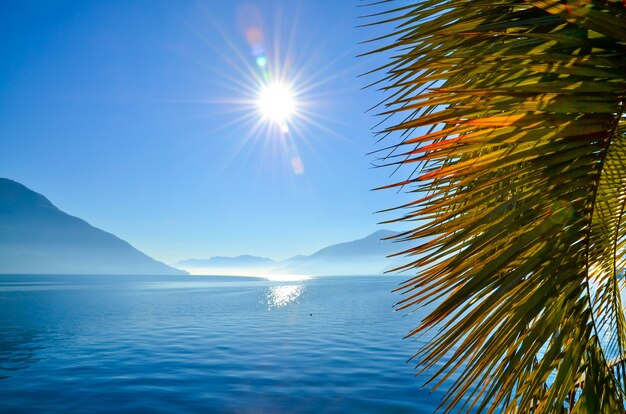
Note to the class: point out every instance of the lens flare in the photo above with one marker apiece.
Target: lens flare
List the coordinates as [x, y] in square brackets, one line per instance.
[276, 102]
[275, 91]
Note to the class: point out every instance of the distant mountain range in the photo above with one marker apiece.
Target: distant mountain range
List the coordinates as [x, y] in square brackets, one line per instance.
[366, 256]
[37, 237]
[244, 261]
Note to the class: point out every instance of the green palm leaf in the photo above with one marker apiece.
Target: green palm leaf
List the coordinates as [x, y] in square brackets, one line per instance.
[513, 114]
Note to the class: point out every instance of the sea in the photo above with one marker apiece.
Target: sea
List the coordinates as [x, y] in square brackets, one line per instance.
[192, 344]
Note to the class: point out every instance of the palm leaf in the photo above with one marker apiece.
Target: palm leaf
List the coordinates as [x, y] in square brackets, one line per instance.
[513, 114]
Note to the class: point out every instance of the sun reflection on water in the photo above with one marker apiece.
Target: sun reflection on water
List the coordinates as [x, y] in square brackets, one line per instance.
[279, 296]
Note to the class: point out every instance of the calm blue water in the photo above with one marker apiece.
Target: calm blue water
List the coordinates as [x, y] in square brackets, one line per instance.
[205, 344]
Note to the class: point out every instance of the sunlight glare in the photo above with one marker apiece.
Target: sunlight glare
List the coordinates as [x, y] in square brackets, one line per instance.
[286, 278]
[276, 102]
[279, 296]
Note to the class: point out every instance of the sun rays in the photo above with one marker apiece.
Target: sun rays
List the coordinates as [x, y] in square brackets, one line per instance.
[275, 90]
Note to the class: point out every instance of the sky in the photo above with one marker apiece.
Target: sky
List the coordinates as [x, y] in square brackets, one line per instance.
[140, 117]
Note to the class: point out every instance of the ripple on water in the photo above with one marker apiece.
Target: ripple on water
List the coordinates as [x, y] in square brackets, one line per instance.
[204, 345]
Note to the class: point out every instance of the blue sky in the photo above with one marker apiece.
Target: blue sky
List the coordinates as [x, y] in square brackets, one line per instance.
[136, 116]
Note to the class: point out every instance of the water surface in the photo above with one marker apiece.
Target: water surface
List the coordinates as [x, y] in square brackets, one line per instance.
[205, 344]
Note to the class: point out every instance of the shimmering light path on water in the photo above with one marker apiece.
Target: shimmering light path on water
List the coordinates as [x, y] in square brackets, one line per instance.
[205, 344]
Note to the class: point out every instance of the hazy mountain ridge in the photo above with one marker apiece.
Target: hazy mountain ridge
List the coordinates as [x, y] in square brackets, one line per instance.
[364, 256]
[220, 261]
[37, 237]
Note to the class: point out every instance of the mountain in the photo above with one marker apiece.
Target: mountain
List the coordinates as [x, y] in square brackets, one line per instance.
[223, 261]
[372, 245]
[220, 265]
[364, 256]
[37, 237]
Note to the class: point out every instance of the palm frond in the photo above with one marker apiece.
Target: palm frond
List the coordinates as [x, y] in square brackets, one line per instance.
[514, 112]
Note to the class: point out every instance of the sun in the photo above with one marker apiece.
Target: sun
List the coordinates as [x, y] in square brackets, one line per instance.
[276, 102]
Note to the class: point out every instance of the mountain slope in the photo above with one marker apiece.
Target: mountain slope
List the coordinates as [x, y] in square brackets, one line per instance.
[367, 246]
[364, 256]
[37, 237]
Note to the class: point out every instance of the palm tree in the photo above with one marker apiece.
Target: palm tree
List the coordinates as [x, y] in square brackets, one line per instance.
[507, 117]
